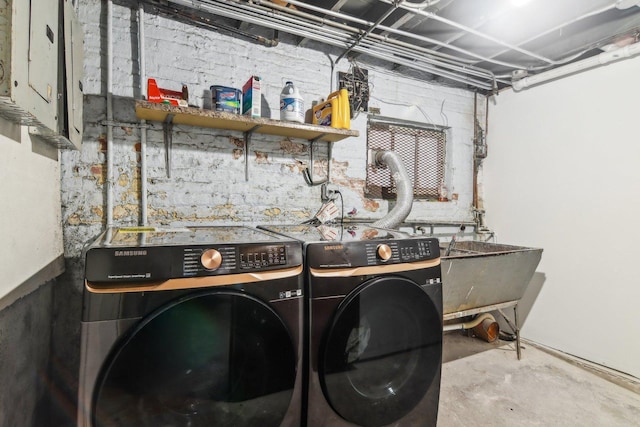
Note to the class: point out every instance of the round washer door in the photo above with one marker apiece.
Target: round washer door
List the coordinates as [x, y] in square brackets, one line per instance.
[382, 351]
[215, 359]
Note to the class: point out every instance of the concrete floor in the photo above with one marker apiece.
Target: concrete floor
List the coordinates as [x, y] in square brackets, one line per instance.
[486, 385]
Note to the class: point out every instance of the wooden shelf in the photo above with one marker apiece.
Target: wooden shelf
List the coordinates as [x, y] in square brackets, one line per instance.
[221, 120]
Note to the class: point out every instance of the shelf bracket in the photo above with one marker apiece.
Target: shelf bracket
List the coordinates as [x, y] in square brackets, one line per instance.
[167, 129]
[247, 139]
[308, 172]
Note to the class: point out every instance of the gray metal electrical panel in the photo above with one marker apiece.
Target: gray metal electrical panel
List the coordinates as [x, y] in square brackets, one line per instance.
[74, 56]
[30, 66]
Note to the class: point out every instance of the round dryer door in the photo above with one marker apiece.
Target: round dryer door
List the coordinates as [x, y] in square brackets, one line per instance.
[382, 351]
[212, 359]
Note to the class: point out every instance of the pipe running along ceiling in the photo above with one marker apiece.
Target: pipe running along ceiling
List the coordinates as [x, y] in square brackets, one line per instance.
[484, 45]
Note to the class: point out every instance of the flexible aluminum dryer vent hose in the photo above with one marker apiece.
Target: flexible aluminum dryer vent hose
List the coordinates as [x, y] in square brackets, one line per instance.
[404, 190]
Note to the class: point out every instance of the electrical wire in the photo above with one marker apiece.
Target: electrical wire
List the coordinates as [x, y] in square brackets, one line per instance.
[341, 206]
[355, 80]
[444, 116]
[404, 104]
[505, 336]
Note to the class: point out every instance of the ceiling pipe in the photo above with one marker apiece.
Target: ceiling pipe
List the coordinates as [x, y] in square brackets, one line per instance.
[206, 23]
[299, 27]
[423, 5]
[576, 67]
[461, 64]
[422, 65]
[626, 4]
[364, 35]
[355, 31]
[478, 34]
[418, 64]
[336, 6]
[391, 30]
[557, 28]
[411, 54]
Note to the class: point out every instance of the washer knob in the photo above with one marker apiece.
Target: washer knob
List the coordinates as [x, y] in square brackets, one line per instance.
[211, 259]
[384, 252]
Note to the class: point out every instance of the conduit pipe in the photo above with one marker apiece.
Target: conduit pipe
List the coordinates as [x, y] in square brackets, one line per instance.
[143, 123]
[204, 22]
[379, 37]
[268, 18]
[476, 33]
[557, 28]
[110, 173]
[404, 190]
[364, 35]
[414, 51]
[416, 61]
[264, 13]
[424, 65]
[300, 28]
[410, 54]
[595, 61]
[424, 4]
[474, 203]
[383, 28]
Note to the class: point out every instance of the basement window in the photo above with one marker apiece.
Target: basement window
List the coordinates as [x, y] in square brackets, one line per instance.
[422, 150]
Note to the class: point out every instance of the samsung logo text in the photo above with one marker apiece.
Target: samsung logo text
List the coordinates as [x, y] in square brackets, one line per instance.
[139, 252]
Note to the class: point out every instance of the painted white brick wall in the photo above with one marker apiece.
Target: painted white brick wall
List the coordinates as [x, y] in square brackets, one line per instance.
[207, 183]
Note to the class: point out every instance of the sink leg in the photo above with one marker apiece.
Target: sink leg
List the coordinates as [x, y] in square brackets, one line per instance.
[515, 327]
[517, 330]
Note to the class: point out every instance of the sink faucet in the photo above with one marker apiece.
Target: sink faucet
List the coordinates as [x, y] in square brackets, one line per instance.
[481, 227]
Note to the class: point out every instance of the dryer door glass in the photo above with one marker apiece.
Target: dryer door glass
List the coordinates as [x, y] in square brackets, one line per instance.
[382, 351]
[217, 358]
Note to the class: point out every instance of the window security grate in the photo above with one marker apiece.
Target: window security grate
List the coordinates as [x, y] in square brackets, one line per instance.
[422, 151]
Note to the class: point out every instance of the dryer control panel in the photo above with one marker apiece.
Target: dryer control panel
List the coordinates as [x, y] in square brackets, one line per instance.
[371, 253]
[245, 258]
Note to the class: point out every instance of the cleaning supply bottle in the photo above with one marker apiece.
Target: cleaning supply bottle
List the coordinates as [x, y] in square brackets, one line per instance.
[291, 104]
[334, 112]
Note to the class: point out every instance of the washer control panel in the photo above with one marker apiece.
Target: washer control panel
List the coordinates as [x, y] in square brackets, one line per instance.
[371, 253]
[162, 263]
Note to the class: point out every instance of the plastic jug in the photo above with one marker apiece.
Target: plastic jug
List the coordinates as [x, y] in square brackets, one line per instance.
[291, 104]
[334, 112]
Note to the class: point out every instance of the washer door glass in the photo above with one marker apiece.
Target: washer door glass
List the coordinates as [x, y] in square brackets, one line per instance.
[218, 358]
[382, 351]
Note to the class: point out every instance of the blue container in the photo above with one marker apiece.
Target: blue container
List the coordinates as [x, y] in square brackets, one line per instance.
[227, 99]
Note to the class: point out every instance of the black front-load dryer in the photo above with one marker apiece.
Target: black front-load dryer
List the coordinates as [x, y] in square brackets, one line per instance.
[197, 326]
[374, 334]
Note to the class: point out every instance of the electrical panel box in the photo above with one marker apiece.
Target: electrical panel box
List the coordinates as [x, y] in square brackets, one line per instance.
[31, 67]
[356, 82]
[74, 56]
[43, 58]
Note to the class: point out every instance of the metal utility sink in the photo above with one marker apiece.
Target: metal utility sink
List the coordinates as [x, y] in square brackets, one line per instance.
[479, 277]
[480, 274]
